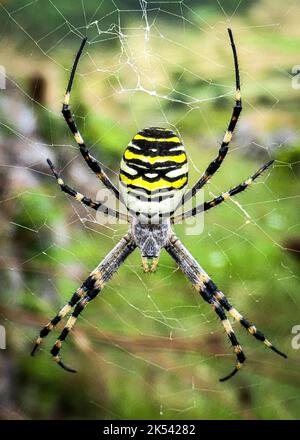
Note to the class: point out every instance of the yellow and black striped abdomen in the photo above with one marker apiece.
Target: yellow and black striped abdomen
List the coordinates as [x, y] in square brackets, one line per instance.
[154, 172]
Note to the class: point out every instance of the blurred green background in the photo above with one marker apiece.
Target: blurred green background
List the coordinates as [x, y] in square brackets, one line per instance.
[148, 347]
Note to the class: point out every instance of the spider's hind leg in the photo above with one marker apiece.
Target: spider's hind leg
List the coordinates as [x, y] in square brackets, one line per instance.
[240, 356]
[221, 298]
[200, 281]
[101, 275]
[60, 315]
[94, 282]
[55, 351]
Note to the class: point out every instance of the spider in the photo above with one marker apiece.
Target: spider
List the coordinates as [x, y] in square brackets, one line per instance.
[153, 173]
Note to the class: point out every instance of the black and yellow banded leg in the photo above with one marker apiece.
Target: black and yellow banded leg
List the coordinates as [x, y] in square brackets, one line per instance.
[218, 309]
[95, 280]
[216, 163]
[88, 285]
[200, 279]
[100, 276]
[97, 206]
[223, 197]
[55, 351]
[80, 292]
[221, 298]
[66, 111]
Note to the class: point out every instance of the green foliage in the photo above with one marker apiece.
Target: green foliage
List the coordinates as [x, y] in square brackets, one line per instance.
[291, 156]
[66, 18]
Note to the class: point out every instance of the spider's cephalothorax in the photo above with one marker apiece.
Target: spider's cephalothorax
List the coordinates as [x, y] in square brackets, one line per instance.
[153, 174]
[153, 179]
[150, 239]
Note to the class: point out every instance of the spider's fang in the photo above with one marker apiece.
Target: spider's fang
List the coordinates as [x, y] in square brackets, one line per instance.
[154, 264]
[145, 264]
[150, 264]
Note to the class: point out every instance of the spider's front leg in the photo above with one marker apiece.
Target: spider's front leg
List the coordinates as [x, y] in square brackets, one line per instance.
[93, 164]
[217, 162]
[88, 291]
[210, 293]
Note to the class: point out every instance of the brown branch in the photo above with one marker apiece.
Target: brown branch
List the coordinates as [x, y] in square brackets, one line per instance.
[212, 343]
[280, 370]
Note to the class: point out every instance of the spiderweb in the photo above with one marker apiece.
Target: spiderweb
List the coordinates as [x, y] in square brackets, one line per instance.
[148, 346]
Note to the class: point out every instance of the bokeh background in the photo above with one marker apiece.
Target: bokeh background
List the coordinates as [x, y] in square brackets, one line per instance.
[148, 347]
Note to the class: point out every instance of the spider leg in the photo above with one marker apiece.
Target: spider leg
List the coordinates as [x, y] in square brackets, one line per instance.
[197, 275]
[101, 275]
[221, 298]
[240, 356]
[63, 312]
[93, 164]
[97, 206]
[199, 279]
[90, 284]
[225, 196]
[217, 162]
